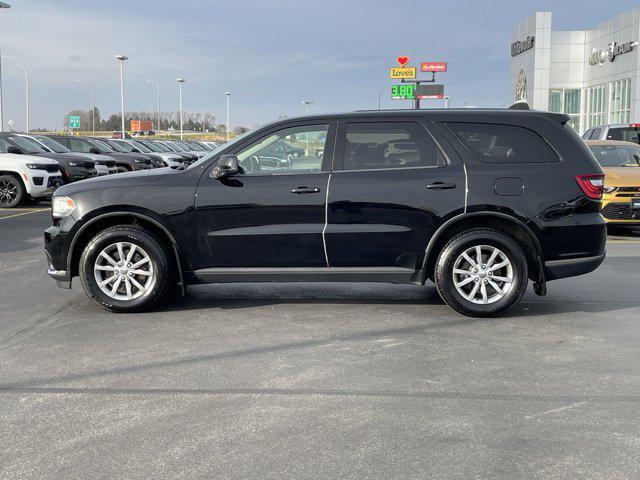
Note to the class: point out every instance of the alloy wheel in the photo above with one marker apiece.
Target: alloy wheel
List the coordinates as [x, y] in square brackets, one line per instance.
[483, 274]
[8, 192]
[124, 271]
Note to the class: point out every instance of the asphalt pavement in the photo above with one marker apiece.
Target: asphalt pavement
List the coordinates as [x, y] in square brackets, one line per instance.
[317, 380]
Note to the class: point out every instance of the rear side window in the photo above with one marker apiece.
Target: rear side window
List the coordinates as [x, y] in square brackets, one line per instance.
[596, 133]
[389, 145]
[628, 134]
[503, 143]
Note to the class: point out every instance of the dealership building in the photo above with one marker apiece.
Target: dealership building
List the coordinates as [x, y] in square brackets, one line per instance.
[592, 75]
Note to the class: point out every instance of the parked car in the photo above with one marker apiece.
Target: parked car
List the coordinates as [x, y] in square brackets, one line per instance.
[25, 178]
[72, 168]
[176, 147]
[134, 146]
[627, 132]
[158, 145]
[125, 162]
[104, 164]
[213, 145]
[156, 161]
[620, 162]
[479, 201]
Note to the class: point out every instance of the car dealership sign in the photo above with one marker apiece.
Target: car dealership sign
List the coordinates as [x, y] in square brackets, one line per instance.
[614, 49]
[522, 46]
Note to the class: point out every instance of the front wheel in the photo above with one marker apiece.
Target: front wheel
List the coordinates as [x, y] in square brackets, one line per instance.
[11, 191]
[481, 273]
[125, 269]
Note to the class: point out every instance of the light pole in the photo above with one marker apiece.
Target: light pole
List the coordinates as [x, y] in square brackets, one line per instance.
[93, 108]
[157, 84]
[447, 98]
[379, 100]
[2, 5]
[26, 91]
[228, 94]
[307, 104]
[122, 58]
[180, 82]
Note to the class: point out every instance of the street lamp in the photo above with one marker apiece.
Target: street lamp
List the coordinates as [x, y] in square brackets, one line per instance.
[26, 91]
[122, 58]
[157, 83]
[93, 108]
[447, 98]
[307, 104]
[2, 5]
[380, 99]
[180, 82]
[228, 94]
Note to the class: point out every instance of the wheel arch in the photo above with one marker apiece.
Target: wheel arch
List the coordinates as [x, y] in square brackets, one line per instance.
[120, 217]
[502, 222]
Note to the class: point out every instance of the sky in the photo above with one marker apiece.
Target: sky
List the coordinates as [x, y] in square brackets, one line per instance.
[270, 54]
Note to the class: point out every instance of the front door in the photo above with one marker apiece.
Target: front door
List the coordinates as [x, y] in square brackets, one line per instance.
[272, 214]
[394, 185]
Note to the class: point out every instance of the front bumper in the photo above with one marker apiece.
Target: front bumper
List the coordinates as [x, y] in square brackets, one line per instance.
[620, 212]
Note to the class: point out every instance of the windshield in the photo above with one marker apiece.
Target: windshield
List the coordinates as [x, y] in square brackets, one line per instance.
[140, 146]
[155, 146]
[616, 155]
[177, 147]
[103, 147]
[208, 156]
[28, 146]
[53, 145]
[118, 146]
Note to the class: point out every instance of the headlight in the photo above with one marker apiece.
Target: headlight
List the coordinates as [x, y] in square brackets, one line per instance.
[73, 164]
[610, 189]
[36, 166]
[62, 206]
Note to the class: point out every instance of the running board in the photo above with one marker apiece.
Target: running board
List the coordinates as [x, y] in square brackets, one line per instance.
[308, 274]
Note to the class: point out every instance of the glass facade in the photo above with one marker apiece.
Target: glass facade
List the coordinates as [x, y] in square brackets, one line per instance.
[620, 102]
[566, 101]
[596, 106]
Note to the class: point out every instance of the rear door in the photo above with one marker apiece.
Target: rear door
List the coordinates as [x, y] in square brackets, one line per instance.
[394, 183]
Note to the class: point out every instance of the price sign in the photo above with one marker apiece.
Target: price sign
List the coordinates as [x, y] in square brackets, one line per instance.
[403, 91]
[430, 90]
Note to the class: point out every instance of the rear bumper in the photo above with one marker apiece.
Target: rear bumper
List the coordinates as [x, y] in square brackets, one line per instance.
[572, 267]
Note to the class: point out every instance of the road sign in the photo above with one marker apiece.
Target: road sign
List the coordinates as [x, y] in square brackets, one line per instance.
[74, 121]
[433, 67]
[402, 72]
[403, 91]
[429, 90]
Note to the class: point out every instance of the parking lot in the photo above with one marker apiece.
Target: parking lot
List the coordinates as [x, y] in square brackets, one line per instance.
[289, 380]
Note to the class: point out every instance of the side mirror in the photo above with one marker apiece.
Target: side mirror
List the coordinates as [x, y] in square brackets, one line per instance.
[12, 149]
[94, 150]
[227, 166]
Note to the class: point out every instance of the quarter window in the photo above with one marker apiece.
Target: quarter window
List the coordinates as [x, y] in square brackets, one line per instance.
[291, 150]
[503, 143]
[389, 145]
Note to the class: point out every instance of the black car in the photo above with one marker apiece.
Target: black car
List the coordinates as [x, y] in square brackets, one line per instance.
[479, 201]
[72, 167]
[155, 160]
[170, 146]
[125, 162]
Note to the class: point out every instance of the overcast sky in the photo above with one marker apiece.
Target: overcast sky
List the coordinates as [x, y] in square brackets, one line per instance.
[271, 54]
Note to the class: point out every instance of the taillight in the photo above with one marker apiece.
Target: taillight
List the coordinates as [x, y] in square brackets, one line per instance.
[592, 185]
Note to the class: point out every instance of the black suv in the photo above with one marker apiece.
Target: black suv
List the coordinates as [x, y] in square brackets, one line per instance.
[479, 201]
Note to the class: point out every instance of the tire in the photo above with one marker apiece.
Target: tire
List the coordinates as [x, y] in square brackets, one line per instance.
[128, 296]
[12, 192]
[455, 275]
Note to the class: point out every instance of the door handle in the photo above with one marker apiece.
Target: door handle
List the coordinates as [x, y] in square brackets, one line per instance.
[305, 190]
[441, 186]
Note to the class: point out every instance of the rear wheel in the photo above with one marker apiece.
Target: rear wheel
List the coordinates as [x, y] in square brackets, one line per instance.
[481, 272]
[11, 191]
[125, 269]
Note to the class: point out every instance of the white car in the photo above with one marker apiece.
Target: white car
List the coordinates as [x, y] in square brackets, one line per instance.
[169, 159]
[26, 177]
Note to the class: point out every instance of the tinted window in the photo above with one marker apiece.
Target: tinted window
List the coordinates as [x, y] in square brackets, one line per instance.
[389, 145]
[596, 133]
[628, 134]
[4, 145]
[503, 143]
[616, 155]
[79, 145]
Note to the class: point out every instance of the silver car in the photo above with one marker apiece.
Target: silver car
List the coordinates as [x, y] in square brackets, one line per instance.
[627, 132]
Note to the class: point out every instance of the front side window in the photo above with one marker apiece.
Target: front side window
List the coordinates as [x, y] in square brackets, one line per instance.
[389, 145]
[290, 150]
[503, 143]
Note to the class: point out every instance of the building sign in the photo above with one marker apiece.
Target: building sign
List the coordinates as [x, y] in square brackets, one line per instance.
[614, 49]
[433, 67]
[403, 91]
[522, 46]
[402, 72]
[429, 90]
[74, 121]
